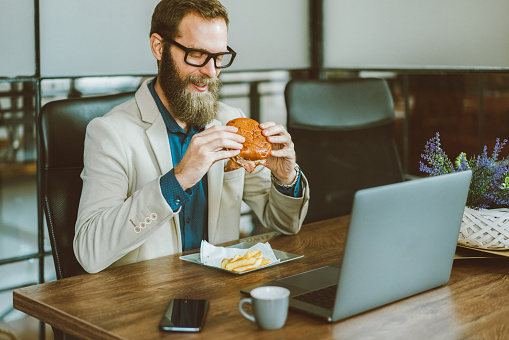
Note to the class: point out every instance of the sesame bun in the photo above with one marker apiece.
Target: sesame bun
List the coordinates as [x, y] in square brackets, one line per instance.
[256, 148]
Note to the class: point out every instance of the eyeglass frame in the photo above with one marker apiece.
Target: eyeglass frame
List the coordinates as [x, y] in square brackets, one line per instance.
[210, 55]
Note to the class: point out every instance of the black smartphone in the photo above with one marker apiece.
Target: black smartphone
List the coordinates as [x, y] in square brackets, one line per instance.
[185, 315]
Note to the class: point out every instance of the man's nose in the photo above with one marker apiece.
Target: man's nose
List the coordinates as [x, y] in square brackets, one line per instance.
[209, 69]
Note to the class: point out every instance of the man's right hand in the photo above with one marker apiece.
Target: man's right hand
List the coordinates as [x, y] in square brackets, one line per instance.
[207, 147]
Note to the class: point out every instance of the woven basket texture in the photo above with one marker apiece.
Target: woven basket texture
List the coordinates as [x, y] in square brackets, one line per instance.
[485, 229]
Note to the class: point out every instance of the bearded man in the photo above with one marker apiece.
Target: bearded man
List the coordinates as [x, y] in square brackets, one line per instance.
[154, 178]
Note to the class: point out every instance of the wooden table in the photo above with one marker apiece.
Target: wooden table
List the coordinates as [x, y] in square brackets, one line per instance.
[127, 302]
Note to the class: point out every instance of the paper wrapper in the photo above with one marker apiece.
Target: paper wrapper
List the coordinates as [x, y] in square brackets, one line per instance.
[212, 255]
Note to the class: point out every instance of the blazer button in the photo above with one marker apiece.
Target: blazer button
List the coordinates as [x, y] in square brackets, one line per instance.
[142, 225]
[137, 229]
[148, 220]
[153, 216]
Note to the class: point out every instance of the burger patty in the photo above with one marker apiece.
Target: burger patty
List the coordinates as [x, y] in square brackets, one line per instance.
[249, 165]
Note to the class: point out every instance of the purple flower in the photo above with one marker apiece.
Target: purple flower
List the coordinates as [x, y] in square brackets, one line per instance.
[488, 188]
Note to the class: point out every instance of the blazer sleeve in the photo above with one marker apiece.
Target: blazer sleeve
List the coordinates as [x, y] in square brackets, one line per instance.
[111, 213]
[275, 210]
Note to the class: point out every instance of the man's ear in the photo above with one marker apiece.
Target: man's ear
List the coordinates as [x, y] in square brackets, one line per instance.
[156, 45]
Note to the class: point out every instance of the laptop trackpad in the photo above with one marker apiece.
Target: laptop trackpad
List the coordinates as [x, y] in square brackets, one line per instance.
[314, 279]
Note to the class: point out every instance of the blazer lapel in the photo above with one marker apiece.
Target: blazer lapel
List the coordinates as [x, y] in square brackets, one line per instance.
[156, 132]
[158, 138]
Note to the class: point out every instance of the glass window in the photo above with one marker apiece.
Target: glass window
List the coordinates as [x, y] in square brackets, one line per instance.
[17, 40]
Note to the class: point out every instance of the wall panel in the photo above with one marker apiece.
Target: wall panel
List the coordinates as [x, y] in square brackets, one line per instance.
[96, 37]
[17, 38]
[269, 34]
[432, 34]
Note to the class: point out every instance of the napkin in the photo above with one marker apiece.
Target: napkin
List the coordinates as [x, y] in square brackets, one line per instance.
[212, 255]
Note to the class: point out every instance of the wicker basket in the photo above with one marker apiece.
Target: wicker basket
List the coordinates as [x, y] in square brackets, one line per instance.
[486, 229]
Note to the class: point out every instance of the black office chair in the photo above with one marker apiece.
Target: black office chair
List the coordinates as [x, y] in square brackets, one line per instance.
[62, 126]
[343, 131]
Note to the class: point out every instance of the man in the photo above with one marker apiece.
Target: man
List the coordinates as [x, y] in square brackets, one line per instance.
[154, 181]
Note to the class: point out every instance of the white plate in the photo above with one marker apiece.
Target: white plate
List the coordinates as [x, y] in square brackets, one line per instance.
[281, 255]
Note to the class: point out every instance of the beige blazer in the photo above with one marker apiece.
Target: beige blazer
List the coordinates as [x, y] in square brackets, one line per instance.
[124, 218]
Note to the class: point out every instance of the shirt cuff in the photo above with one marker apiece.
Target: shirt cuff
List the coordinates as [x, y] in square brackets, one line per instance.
[172, 191]
[294, 191]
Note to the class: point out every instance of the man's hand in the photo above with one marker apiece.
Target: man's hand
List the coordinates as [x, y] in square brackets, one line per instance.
[282, 157]
[207, 147]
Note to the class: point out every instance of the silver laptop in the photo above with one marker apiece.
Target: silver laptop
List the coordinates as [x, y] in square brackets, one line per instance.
[401, 241]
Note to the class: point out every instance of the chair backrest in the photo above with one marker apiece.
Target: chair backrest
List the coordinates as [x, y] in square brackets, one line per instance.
[62, 125]
[343, 131]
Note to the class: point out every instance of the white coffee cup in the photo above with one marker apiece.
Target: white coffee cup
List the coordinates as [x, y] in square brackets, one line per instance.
[270, 306]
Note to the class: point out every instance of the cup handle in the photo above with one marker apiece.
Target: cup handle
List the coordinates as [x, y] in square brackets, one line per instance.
[246, 315]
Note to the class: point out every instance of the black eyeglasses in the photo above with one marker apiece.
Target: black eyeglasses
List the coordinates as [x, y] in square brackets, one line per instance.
[199, 58]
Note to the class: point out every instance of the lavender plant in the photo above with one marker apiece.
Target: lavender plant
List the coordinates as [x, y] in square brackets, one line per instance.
[489, 187]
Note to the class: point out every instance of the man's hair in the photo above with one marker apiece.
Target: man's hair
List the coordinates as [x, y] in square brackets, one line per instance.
[168, 14]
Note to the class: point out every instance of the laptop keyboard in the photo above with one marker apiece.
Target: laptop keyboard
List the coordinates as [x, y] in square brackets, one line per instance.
[323, 297]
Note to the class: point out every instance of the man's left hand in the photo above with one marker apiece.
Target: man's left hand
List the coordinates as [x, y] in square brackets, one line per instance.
[282, 157]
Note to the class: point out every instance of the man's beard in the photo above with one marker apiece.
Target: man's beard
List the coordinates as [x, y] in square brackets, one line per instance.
[191, 107]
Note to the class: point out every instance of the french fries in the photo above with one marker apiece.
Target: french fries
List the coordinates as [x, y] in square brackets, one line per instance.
[251, 260]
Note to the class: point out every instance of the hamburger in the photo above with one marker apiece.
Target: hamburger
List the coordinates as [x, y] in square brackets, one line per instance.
[255, 149]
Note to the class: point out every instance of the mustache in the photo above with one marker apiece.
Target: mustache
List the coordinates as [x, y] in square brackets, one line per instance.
[202, 81]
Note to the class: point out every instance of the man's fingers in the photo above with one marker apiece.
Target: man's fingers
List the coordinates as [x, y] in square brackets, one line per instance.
[220, 129]
[279, 139]
[222, 143]
[266, 125]
[220, 138]
[284, 153]
[225, 154]
[272, 129]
